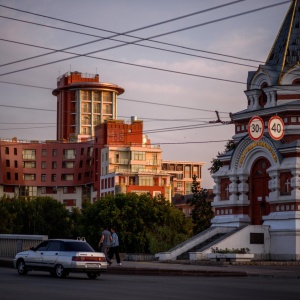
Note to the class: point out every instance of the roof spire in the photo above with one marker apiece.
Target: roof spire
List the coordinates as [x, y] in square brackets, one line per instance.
[285, 52]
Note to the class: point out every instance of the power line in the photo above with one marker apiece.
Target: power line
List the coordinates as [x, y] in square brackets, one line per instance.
[116, 33]
[125, 99]
[73, 53]
[144, 39]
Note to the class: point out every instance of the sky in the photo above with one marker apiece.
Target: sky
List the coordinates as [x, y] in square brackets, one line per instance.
[175, 78]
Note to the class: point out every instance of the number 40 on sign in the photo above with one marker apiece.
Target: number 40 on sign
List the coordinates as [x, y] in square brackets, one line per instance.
[276, 128]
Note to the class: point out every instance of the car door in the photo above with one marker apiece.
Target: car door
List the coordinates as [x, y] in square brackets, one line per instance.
[34, 258]
[50, 256]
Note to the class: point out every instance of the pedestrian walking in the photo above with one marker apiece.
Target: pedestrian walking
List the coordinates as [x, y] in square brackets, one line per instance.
[114, 246]
[105, 242]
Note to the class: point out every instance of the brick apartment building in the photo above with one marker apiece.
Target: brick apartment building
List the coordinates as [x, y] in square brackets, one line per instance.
[94, 154]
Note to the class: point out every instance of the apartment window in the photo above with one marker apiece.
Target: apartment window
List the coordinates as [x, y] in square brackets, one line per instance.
[53, 177]
[29, 154]
[54, 165]
[8, 163]
[137, 168]
[29, 177]
[96, 96]
[195, 171]
[69, 202]
[79, 176]
[188, 187]
[44, 152]
[8, 175]
[15, 151]
[107, 96]
[44, 165]
[6, 150]
[43, 190]
[16, 163]
[67, 177]
[187, 172]
[138, 155]
[29, 164]
[90, 151]
[69, 153]
[80, 164]
[16, 176]
[146, 181]
[85, 95]
[68, 165]
[43, 177]
[132, 180]
[54, 152]
[81, 151]
[179, 184]
[97, 108]
[28, 191]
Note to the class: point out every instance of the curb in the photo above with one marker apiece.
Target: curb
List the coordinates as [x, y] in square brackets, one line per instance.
[176, 272]
[8, 263]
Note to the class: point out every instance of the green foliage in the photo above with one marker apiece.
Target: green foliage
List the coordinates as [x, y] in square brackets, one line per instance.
[216, 164]
[42, 215]
[202, 212]
[232, 250]
[144, 224]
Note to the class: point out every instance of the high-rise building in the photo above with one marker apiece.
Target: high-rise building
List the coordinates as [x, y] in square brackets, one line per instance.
[82, 103]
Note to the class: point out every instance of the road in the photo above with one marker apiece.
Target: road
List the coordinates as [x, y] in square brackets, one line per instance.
[38, 285]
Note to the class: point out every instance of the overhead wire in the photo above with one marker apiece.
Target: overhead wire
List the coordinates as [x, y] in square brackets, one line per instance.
[145, 39]
[177, 31]
[115, 33]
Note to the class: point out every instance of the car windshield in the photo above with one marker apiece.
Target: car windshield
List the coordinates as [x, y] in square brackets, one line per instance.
[78, 246]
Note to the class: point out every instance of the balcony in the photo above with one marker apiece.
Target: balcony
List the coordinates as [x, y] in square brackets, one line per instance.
[154, 162]
[120, 161]
[69, 156]
[29, 156]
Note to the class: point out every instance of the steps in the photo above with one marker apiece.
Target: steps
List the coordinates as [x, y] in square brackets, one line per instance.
[185, 255]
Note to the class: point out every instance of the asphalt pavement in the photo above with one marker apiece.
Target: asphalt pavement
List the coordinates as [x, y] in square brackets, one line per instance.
[193, 268]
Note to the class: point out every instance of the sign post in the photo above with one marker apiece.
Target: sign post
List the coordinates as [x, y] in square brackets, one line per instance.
[256, 128]
[276, 128]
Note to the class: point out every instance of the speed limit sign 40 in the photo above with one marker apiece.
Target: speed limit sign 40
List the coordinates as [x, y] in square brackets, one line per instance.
[256, 128]
[276, 128]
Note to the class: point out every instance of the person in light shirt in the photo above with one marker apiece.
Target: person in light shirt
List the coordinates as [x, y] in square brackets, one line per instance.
[114, 246]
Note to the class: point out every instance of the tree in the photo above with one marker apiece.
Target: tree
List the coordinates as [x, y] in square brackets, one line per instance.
[144, 224]
[202, 212]
[216, 164]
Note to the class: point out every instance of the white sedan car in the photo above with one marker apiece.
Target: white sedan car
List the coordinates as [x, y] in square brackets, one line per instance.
[60, 257]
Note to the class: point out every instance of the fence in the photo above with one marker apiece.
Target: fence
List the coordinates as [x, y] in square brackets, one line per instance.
[11, 244]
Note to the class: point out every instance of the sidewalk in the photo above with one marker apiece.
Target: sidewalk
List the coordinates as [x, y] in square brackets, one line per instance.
[188, 268]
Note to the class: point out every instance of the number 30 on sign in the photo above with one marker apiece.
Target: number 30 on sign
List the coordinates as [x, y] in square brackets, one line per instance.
[256, 128]
[276, 128]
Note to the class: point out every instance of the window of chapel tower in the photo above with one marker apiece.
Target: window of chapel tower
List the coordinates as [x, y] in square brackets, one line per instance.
[263, 96]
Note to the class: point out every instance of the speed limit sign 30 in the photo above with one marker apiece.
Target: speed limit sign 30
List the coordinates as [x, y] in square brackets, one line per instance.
[256, 128]
[276, 128]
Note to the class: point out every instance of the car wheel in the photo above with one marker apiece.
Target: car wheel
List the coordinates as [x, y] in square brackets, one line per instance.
[60, 271]
[21, 267]
[92, 275]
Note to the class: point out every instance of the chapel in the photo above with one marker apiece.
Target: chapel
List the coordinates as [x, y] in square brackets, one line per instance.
[259, 182]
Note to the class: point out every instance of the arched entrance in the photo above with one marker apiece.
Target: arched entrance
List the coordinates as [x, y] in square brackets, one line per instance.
[259, 191]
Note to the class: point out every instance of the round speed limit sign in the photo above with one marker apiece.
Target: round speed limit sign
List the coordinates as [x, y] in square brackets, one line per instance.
[276, 128]
[256, 128]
